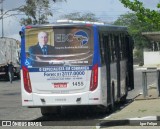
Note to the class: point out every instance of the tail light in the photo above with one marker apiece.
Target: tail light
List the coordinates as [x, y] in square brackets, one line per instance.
[26, 79]
[94, 78]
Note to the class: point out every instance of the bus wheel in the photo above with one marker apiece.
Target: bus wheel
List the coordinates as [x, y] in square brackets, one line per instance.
[46, 111]
[124, 98]
[103, 109]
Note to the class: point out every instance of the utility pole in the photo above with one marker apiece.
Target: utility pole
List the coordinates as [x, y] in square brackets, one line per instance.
[2, 16]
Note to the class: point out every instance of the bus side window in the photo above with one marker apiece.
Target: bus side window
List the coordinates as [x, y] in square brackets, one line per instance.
[113, 47]
[111, 41]
[123, 46]
[120, 46]
[106, 48]
[101, 40]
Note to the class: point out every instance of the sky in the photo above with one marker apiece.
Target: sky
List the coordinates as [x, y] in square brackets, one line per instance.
[105, 10]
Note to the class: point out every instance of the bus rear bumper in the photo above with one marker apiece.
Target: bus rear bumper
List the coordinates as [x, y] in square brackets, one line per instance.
[86, 98]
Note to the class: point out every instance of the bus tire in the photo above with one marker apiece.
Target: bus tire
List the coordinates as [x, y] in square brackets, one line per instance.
[46, 111]
[124, 98]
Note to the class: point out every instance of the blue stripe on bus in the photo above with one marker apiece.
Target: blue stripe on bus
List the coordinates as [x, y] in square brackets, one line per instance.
[23, 55]
[96, 56]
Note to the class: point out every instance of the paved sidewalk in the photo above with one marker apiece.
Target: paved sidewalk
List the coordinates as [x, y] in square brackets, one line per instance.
[133, 115]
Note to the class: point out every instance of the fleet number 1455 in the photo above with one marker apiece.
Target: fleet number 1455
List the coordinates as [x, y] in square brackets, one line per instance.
[77, 83]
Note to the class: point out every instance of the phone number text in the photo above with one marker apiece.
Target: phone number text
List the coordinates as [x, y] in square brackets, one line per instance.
[64, 74]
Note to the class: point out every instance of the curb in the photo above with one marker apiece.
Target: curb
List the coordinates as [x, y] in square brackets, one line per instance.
[143, 121]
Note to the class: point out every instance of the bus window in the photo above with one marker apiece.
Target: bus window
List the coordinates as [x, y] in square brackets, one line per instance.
[112, 41]
[123, 47]
[59, 46]
[102, 49]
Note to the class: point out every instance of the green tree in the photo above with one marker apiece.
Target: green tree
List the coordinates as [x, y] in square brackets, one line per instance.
[135, 28]
[81, 16]
[148, 20]
[143, 14]
[36, 11]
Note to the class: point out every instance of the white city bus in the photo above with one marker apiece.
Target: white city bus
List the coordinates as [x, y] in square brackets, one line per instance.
[90, 65]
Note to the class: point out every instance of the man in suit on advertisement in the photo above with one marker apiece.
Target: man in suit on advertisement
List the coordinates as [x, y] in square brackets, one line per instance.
[39, 51]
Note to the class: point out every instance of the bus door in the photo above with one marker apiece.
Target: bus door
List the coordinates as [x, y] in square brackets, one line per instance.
[107, 62]
[129, 48]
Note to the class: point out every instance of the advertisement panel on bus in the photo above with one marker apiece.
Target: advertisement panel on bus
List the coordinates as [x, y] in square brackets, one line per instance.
[58, 60]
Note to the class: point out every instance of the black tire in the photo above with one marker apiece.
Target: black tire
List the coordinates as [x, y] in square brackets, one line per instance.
[104, 110]
[46, 111]
[124, 98]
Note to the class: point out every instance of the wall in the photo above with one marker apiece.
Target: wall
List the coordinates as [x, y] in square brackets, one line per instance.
[152, 58]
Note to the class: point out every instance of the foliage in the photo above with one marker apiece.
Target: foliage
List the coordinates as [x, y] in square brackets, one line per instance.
[135, 28]
[145, 15]
[37, 11]
[144, 20]
[81, 17]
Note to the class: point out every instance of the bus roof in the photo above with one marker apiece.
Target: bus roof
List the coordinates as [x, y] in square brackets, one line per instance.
[100, 26]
